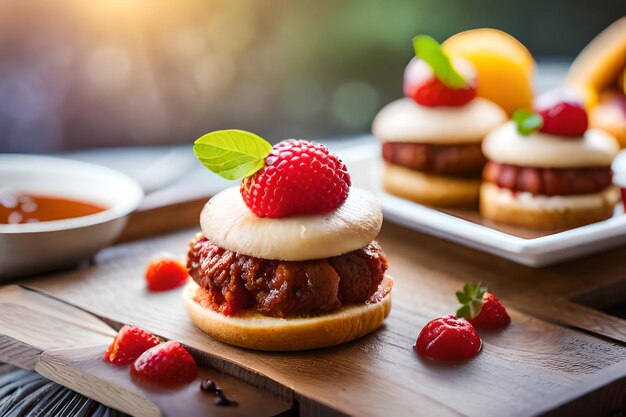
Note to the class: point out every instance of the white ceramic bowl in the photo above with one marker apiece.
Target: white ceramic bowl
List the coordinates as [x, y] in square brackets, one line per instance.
[32, 248]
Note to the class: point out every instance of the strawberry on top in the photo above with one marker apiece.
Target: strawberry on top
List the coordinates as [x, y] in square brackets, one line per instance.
[298, 177]
[557, 112]
[294, 177]
[432, 79]
[563, 113]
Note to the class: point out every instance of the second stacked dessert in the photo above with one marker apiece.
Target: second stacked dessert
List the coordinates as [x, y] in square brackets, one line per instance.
[432, 137]
[546, 170]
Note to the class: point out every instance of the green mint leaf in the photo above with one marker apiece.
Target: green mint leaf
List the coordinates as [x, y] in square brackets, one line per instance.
[232, 154]
[429, 50]
[527, 121]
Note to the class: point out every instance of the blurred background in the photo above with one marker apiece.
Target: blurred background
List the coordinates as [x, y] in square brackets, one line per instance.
[79, 74]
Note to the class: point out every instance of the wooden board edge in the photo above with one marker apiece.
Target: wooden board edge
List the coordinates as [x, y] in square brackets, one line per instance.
[49, 366]
[17, 353]
[244, 374]
[606, 387]
[564, 311]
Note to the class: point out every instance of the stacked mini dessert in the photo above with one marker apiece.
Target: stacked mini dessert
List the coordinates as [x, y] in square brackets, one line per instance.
[286, 261]
[546, 170]
[432, 137]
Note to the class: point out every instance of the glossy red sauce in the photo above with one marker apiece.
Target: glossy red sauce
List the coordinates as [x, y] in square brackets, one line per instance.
[28, 208]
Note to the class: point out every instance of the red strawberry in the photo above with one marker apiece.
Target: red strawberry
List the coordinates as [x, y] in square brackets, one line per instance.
[482, 308]
[421, 85]
[165, 274]
[168, 365]
[298, 177]
[563, 113]
[129, 343]
[448, 339]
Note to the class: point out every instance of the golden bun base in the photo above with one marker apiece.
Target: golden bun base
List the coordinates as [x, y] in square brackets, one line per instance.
[544, 213]
[428, 189]
[255, 331]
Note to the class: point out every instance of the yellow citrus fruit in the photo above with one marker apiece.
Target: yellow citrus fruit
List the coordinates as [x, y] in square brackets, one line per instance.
[504, 66]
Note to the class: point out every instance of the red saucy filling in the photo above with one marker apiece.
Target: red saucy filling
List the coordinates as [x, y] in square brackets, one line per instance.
[548, 181]
[452, 160]
[235, 282]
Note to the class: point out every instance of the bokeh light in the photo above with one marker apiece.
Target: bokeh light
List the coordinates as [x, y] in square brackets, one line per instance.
[81, 74]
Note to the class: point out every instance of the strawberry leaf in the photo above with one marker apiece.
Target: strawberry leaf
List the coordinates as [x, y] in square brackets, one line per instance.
[429, 50]
[527, 121]
[471, 299]
[232, 154]
[463, 312]
[462, 297]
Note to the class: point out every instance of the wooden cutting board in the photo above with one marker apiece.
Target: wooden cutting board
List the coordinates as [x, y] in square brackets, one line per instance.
[556, 358]
[66, 345]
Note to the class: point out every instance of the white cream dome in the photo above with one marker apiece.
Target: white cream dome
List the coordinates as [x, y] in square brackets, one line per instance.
[507, 146]
[229, 223]
[404, 120]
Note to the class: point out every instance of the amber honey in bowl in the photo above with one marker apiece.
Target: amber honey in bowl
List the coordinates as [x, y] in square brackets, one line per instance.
[18, 208]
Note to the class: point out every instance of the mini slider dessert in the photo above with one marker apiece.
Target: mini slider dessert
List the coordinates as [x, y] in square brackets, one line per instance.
[288, 260]
[431, 138]
[546, 170]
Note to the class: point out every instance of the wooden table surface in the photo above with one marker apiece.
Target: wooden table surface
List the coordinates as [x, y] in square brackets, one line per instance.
[558, 357]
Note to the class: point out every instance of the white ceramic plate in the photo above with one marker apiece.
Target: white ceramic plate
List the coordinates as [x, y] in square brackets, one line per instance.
[364, 165]
[39, 247]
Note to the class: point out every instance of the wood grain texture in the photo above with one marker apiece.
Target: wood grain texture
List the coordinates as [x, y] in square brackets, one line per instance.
[603, 395]
[31, 323]
[18, 353]
[84, 371]
[532, 364]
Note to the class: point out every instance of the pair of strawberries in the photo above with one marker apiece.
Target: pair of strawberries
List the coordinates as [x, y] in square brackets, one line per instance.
[454, 338]
[151, 360]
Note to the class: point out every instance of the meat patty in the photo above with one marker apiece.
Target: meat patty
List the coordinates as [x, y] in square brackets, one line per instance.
[548, 181]
[452, 160]
[235, 282]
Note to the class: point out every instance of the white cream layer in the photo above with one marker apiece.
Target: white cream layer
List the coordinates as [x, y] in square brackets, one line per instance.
[229, 223]
[404, 120]
[507, 146]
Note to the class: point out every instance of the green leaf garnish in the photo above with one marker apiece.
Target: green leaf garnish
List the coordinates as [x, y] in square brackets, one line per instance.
[471, 299]
[429, 50]
[232, 154]
[527, 121]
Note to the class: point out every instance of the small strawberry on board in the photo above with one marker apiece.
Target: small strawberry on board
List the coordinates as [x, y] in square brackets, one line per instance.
[481, 308]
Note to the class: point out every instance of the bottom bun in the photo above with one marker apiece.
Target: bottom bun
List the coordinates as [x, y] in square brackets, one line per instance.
[255, 331]
[546, 212]
[429, 189]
